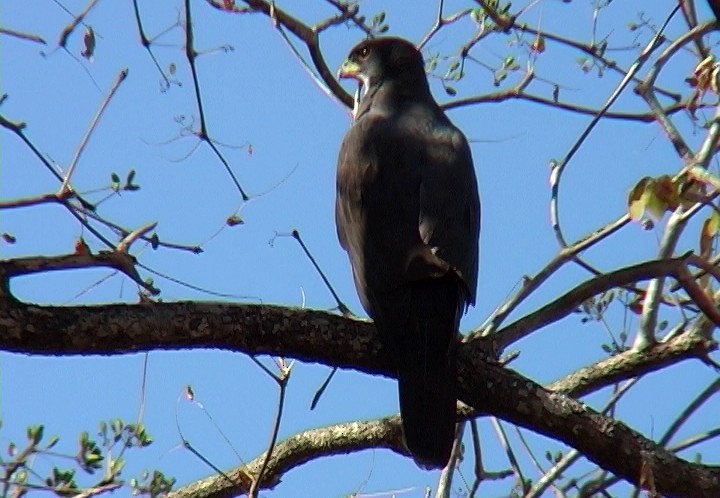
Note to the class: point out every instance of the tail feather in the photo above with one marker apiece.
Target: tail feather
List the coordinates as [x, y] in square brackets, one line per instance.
[427, 370]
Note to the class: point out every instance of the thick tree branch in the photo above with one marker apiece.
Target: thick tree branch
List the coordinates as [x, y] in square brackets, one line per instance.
[298, 450]
[633, 363]
[316, 336]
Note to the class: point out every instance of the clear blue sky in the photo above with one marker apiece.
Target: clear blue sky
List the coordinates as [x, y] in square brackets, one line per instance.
[259, 94]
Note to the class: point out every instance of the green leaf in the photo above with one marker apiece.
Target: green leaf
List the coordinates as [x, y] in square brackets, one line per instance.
[52, 441]
[116, 426]
[114, 468]
[35, 433]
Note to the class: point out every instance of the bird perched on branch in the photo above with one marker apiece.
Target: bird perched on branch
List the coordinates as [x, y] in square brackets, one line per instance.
[408, 214]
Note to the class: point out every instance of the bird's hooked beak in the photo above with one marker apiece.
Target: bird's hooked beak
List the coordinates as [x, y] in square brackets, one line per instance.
[349, 69]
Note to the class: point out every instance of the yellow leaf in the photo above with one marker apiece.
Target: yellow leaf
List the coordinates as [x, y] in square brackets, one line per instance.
[705, 239]
[654, 204]
[538, 45]
[637, 199]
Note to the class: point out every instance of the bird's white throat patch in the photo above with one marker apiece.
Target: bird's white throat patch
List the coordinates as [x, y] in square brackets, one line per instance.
[360, 93]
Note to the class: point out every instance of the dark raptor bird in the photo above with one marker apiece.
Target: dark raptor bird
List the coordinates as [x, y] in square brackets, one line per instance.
[408, 214]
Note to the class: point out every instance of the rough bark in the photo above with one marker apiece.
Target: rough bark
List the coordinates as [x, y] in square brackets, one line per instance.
[315, 336]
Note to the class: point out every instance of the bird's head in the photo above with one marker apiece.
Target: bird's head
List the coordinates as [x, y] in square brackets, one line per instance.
[382, 59]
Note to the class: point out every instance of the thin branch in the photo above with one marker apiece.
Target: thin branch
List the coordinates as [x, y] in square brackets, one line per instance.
[532, 284]
[645, 88]
[440, 22]
[340, 305]
[30, 201]
[679, 218]
[444, 486]
[18, 129]
[311, 40]
[191, 54]
[514, 465]
[151, 239]
[631, 363]
[690, 15]
[146, 43]
[691, 408]
[64, 187]
[282, 384]
[22, 36]
[593, 52]
[77, 20]
[570, 301]
[562, 164]
[695, 440]
[512, 94]
[39, 264]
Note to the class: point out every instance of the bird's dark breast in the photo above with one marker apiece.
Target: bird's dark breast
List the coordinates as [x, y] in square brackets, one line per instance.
[378, 204]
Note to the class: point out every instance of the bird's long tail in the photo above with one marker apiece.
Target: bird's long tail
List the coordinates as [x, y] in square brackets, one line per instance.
[427, 370]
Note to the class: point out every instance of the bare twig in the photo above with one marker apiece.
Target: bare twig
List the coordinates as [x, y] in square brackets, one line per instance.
[532, 284]
[512, 94]
[444, 486]
[112, 259]
[691, 408]
[30, 201]
[22, 36]
[440, 22]
[562, 164]
[141, 232]
[570, 301]
[191, 54]
[77, 20]
[502, 437]
[64, 187]
[146, 43]
[282, 381]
